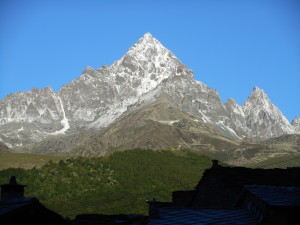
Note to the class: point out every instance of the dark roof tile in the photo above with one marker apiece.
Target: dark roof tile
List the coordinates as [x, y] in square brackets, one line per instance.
[179, 215]
[273, 195]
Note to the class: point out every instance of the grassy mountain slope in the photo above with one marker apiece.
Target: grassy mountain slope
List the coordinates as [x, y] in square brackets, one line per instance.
[119, 183]
[24, 160]
[283, 152]
[278, 162]
[290, 140]
[279, 147]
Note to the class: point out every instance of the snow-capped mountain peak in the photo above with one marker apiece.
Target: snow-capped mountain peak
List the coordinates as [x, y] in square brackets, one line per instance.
[147, 72]
[146, 64]
[148, 35]
[148, 52]
[147, 38]
[112, 89]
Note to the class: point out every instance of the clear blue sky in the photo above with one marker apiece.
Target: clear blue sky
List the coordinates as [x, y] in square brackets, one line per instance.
[231, 45]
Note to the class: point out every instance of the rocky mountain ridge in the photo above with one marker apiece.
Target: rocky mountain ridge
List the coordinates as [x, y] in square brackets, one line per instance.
[146, 73]
[162, 125]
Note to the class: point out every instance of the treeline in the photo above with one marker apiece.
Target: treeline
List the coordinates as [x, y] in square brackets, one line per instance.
[119, 183]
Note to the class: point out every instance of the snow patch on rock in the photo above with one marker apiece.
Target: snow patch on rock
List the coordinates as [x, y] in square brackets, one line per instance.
[168, 122]
[64, 121]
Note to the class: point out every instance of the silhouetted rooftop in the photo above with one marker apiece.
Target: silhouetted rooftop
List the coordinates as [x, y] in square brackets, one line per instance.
[179, 215]
[234, 195]
[221, 186]
[283, 196]
[13, 204]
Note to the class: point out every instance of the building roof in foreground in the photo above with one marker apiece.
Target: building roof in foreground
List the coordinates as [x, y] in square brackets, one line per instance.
[182, 215]
[28, 211]
[14, 204]
[276, 196]
[221, 186]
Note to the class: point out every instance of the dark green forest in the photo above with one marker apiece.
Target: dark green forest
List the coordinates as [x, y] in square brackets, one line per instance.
[115, 184]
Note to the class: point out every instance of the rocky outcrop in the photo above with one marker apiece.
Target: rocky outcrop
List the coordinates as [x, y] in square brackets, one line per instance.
[296, 124]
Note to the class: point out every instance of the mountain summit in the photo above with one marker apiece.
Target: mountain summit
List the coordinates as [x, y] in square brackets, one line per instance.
[147, 73]
[263, 118]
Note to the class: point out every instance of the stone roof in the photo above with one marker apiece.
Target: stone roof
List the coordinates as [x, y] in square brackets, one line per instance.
[223, 196]
[276, 196]
[221, 186]
[16, 203]
[182, 215]
[28, 211]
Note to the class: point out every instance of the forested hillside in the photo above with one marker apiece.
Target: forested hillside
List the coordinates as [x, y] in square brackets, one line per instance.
[119, 183]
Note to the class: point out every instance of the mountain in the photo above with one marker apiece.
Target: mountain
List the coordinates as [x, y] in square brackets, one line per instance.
[263, 118]
[162, 125]
[97, 102]
[3, 147]
[158, 125]
[296, 124]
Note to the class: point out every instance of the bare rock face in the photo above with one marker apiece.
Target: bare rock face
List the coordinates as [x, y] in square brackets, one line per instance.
[30, 116]
[148, 71]
[238, 118]
[263, 118]
[3, 147]
[296, 124]
[98, 97]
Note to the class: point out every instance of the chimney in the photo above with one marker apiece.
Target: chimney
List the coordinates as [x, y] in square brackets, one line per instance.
[153, 209]
[12, 190]
[215, 163]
